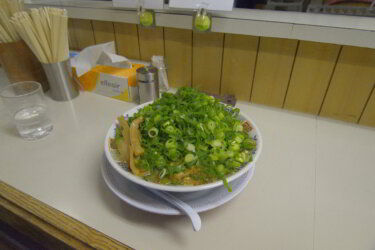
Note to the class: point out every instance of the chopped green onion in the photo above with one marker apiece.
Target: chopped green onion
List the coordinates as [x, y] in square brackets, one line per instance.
[211, 125]
[220, 135]
[238, 127]
[232, 163]
[226, 184]
[169, 129]
[162, 173]
[190, 147]
[200, 126]
[189, 158]
[234, 147]
[214, 157]
[143, 164]
[160, 162]
[153, 132]
[221, 169]
[157, 118]
[239, 138]
[189, 129]
[202, 147]
[246, 155]
[239, 158]
[229, 154]
[171, 143]
[223, 155]
[173, 154]
[166, 123]
[249, 144]
[216, 143]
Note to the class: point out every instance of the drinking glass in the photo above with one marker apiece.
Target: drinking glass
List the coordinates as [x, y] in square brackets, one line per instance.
[25, 104]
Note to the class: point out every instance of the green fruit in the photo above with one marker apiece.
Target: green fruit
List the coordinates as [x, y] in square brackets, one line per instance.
[146, 18]
[202, 23]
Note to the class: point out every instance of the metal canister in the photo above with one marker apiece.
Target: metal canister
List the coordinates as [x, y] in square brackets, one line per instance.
[62, 85]
[147, 78]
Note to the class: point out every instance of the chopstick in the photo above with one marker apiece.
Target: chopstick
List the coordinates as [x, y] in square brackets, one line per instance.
[42, 35]
[45, 31]
[27, 31]
[7, 9]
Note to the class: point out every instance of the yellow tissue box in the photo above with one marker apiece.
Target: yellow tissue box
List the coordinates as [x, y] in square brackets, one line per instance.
[118, 83]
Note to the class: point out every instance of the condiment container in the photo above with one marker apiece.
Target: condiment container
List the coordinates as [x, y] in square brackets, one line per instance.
[148, 84]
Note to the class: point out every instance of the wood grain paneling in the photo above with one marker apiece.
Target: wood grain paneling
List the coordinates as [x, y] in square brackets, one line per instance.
[351, 84]
[84, 33]
[103, 31]
[151, 42]
[312, 71]
[73, 43]
[127, 40]
[272, 71]
[368, 116]
[207, 61]
[178, 55]
[239, 57]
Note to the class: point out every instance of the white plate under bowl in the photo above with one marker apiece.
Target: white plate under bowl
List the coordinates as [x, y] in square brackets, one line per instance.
[139, 197]
[254, 133]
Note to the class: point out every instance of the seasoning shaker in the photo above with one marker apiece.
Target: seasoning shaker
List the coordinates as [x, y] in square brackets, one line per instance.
[148, 84]
[158, 62]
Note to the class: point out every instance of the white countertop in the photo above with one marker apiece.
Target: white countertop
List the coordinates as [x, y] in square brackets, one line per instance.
[313, 188]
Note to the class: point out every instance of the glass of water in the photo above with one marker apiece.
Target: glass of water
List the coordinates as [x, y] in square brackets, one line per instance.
[25, 103]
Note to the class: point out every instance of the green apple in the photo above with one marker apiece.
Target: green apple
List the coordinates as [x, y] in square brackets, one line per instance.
[202, 22]
[146, 18]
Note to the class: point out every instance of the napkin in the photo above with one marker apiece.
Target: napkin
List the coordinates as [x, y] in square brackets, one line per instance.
[100, 54]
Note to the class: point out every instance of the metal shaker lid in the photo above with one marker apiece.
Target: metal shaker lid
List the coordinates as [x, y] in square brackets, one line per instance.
[147, 74]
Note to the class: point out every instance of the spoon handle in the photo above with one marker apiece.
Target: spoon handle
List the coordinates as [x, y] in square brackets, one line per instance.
[182, 206]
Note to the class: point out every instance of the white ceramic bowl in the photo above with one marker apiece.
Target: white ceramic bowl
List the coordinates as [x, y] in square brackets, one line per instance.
[255, 134]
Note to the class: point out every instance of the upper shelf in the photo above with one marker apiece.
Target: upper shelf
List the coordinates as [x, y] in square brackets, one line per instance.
[338, 29]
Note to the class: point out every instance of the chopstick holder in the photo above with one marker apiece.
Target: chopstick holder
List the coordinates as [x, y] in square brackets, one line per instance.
[60, 78]
[45, 31]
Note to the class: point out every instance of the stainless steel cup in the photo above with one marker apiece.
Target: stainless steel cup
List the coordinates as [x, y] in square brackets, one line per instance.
[60, 79]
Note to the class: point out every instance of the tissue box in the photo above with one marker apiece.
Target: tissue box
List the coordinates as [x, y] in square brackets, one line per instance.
[118, 83]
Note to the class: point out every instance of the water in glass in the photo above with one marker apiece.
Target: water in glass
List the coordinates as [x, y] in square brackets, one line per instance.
[33, 122]
[26, 106]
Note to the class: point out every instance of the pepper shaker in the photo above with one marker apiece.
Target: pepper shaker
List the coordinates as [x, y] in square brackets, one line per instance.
[147, 78]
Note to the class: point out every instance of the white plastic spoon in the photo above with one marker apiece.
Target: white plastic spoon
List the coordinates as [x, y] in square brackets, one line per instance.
[182, 206]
